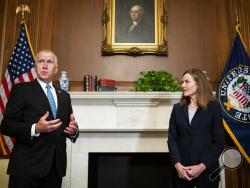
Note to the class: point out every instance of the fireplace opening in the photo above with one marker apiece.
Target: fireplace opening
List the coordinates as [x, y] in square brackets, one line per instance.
[129, 170]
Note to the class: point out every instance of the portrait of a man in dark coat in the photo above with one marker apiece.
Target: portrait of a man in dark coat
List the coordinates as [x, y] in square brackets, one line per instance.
[136, 25]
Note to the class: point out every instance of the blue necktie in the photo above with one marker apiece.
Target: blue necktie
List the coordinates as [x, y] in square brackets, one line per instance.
[51, 100]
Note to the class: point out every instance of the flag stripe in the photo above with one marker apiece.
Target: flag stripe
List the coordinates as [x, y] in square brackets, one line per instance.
[8, 143]
[5, 88]
[21, 79]
[2, 105]
[30, 76]
[33, 73]
[3, 148]
[7, 77]
[25, 77]
[16, 81]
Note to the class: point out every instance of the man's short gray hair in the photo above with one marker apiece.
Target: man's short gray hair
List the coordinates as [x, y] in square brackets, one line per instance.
[46, 51]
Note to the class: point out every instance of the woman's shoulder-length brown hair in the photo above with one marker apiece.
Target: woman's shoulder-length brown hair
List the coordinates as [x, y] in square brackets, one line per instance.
[204, 91]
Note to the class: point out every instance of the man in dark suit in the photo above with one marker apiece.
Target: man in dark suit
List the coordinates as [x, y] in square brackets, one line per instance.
[39, 116]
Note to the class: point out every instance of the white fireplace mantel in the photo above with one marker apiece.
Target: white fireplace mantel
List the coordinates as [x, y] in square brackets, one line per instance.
[123, 111]
[116, 122]
[125, 95]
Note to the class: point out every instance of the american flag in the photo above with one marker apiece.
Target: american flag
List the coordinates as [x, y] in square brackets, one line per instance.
[20, 69]
[242, 93]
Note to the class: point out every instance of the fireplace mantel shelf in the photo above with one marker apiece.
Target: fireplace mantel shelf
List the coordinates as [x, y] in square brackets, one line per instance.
[123, 111]
[117, 95]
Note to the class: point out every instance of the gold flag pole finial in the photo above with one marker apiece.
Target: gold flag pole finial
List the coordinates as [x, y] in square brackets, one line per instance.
[237, 26]
[22, 8]
[237, 17]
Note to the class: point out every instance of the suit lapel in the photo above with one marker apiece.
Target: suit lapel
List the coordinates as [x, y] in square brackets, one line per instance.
[59, 100]
[185, 110]
[195, 115]
[40, 93]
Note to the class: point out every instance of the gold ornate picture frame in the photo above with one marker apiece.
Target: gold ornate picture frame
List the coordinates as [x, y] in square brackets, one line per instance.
[123, 35]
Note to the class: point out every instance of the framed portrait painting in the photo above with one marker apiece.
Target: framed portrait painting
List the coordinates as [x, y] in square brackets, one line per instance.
[134, 27]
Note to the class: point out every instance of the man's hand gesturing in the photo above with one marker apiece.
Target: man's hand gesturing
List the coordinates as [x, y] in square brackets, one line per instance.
[44, 126]
[72, 128]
